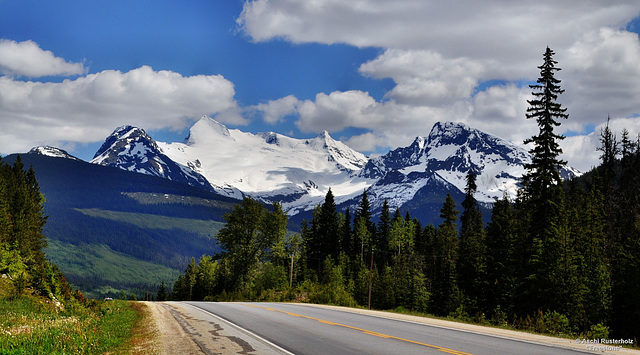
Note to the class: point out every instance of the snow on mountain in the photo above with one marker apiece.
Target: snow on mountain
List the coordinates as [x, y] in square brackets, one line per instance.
[298, 172]
[447, 154]
[130, 148]
[270, 166]
[52, 152]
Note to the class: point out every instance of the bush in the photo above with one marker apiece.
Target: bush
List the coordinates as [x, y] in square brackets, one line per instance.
[598, 331]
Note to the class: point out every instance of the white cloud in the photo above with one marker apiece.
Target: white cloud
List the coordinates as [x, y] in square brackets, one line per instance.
[424, 78]
[490, 30]
[338, 110]
[601, 76]
[365, 142]
[581, 151]
[275, 110]
[88, 108]
[438, 52]
[28, 59]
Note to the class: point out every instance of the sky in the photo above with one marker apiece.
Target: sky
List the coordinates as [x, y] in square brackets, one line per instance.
[373, 73]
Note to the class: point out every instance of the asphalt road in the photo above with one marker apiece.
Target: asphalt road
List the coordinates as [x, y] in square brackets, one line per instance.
[304, 329]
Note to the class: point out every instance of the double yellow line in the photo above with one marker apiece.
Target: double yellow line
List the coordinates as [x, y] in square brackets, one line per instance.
[369, 332]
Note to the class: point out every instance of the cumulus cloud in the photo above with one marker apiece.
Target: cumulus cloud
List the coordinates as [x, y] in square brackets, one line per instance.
[439, 54]
[489, 29]
[90, 107]
[338, 110]
[275, 110]
[601, 75]
[425, 77]
[29, 60]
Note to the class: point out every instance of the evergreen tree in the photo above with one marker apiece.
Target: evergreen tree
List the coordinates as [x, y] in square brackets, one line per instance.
[346, 235]
[364, 212]
[471, 252]
[162, 292]
[543, 196]
[543, 171]
[384, 226]
[500, 248]
[626, 144]
[328, 226]
[445, 297]
[610, 149]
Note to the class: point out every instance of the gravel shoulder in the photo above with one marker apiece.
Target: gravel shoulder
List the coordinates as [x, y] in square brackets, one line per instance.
[171, 337]
[184, 329]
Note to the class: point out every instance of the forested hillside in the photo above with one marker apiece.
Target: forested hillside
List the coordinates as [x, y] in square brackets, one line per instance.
[112, 231]
[23, 266]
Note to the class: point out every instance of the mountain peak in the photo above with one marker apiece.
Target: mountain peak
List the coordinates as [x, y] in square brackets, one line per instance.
[205, 129]
[449, 130]
[122, 140]
[50, 151]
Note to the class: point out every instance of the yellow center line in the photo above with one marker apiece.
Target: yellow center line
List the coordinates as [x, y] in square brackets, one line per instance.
[365, 331]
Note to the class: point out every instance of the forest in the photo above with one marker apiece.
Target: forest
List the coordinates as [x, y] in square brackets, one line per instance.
[560, 258]
[23, 265]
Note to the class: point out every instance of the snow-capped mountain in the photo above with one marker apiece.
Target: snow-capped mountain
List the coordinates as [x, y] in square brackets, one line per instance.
[270, 166]
[50, 151]
[444, 158]
[131, 148]
[298, 172]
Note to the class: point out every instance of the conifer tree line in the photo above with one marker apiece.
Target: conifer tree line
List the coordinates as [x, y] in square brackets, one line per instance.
[561, 257]
[23, 265]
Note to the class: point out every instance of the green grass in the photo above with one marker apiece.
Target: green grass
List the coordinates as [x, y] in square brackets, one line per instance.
[29, 325]
[101, 263]
[149, 221]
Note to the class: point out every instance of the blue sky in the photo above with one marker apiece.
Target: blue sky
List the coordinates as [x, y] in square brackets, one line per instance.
[374, 73]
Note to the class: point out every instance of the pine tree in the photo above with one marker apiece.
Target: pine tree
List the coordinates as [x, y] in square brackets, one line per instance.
[543, 197]
[346, 235]
[543, 171]
[500, 261]
[384, 226]
[444, 290]
[328, 227]
[471, 252]
[626, 144]
[162, 292]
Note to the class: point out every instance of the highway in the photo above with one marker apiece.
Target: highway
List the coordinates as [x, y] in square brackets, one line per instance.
[287, 328]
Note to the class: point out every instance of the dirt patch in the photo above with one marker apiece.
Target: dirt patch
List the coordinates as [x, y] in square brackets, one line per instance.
[171, 337]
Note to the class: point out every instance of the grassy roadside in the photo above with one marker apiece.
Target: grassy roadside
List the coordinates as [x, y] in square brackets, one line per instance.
[31, 325]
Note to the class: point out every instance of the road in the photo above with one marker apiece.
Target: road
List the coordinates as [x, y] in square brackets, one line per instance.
[287, 328]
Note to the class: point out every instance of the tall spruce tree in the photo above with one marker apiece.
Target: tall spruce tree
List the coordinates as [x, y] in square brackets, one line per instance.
[543, 195]
[543, 171]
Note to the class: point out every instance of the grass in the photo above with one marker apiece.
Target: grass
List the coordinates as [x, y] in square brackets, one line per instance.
[151, 221]
[30, 325]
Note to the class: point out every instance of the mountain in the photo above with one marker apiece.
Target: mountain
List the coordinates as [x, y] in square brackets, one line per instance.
[50, 151]
[111, 230]
[418, 177]
[449, 151]
[131, 148]
[270, 166]
[298, 172]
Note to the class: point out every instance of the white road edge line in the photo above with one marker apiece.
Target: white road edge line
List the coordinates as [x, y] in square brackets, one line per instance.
[250, 333]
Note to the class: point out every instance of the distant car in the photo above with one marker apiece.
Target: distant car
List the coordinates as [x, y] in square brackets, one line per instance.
[108, 299]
